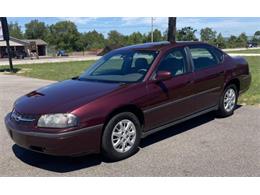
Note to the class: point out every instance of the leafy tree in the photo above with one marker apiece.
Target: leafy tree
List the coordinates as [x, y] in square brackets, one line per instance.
[235, 42]
[15, 30]
[242, 40]
[93, 40]
[255, 40]
[186, 34]
[36, 30]
[208, 35]
[232, 41]
[157, 36]
[257, 33]
[220, 41]
[135, 38]
[64, 35]
[115, 38]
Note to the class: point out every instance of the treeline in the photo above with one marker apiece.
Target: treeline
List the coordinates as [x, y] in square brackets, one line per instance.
[65, 35]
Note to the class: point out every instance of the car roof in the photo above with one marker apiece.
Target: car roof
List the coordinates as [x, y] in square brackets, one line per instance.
[155, 46]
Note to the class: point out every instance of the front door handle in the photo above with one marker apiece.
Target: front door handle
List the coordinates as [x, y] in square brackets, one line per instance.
[189, 82]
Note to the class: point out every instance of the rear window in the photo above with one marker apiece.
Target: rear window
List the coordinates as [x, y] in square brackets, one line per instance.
[219, 54]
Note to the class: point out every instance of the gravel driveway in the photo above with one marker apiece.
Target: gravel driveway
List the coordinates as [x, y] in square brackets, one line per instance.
[204, 146]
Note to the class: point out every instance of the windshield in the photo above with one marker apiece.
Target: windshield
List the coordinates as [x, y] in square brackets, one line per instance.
[121, 66]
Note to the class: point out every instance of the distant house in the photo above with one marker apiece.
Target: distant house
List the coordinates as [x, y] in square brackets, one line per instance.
[23, 45]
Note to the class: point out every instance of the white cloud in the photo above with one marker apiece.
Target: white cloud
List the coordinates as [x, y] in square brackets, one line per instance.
[226, 26]
[131, 21]
[78, 20]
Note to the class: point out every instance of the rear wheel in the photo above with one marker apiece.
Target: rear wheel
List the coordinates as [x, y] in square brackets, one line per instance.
[228, 101]
[121, 136]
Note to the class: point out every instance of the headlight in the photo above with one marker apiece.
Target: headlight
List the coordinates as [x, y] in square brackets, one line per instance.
[58, 120]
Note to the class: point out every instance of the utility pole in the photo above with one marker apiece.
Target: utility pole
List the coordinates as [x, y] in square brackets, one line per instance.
[152, 19]
[6, 37]
[172, 29]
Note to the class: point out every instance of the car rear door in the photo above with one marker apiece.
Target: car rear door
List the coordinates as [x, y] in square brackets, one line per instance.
[207, 77]
[168, 100]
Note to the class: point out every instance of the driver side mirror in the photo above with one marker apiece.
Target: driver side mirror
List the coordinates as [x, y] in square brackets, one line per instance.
[163, 75]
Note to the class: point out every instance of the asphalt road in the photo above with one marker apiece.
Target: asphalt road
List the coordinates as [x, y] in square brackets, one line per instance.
[204, 146]
[42, 60]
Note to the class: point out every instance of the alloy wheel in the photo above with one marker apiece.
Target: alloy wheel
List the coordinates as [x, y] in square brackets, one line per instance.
[229, 100]
[123, 136]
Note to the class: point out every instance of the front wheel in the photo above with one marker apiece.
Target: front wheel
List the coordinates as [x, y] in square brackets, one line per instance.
[121, 136]
[228, 101]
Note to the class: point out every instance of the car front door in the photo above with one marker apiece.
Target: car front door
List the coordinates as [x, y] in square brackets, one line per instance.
[168, 99]
[207, 77]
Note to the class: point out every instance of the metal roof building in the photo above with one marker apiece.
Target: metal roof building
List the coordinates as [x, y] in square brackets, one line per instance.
[23, 45]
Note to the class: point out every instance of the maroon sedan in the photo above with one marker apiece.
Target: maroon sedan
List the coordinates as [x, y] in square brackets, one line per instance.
[126, 95]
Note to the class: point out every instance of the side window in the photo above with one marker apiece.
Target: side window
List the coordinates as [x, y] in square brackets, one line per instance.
[202, 57]
[143, 58]
[174, 62]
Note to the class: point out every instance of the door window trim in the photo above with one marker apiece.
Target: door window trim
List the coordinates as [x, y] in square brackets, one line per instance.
[203, 47]
[187, 64]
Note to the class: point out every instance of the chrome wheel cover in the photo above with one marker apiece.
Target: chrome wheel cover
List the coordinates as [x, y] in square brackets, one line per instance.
[229, 100]
[123, 136]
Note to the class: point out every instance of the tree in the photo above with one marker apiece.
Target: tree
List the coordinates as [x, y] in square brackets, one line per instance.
[220, 41]
[171, 35]
[64, 35]
[36, 30]
[242, 40]
[93, 40]
[256, 37]
[135, 38]
[115, 38]
[15, 30]
[257, 33]
[186, 34]
[208, 35]
[232, 41]
[157, 36]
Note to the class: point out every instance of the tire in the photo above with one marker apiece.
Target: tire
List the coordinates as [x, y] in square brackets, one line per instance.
[117, 145]
[225, 110]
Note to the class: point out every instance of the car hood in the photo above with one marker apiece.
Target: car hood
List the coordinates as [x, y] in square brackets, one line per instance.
[63, 96]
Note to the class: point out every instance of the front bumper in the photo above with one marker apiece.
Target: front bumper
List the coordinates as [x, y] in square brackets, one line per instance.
[72, 143]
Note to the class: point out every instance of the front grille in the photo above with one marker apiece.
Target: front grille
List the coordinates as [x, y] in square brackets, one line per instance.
[22, 118]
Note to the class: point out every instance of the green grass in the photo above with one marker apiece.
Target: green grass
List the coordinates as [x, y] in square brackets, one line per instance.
[246, 51]
[252, 96]
[51, 71]
[65, 70]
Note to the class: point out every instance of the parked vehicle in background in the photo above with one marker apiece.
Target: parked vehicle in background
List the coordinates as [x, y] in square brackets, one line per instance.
[62, 53]
[251, 44]
[127, 95]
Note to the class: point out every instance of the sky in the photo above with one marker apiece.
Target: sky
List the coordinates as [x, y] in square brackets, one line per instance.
[127, 25]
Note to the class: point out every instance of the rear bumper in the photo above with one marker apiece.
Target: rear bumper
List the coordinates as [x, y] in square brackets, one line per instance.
[72, 143]
[245, 82]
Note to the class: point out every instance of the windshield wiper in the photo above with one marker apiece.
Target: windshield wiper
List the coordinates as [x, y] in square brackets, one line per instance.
[100, 81]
